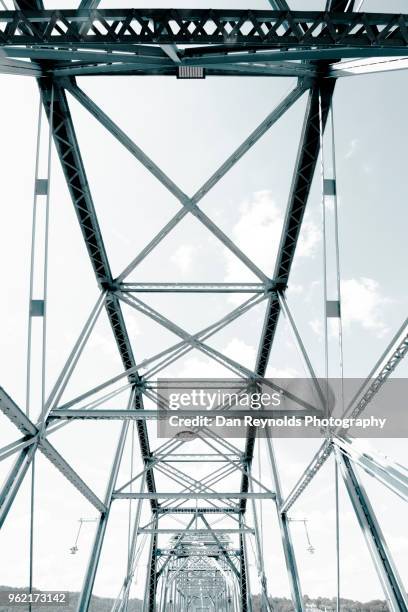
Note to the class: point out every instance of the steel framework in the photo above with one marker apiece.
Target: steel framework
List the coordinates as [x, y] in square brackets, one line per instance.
[204, 566]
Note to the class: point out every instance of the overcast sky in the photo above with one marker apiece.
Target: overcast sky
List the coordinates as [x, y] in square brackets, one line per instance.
[188, 129]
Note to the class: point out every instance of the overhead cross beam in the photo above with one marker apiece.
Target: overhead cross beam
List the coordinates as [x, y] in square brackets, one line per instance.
[114, 27]
[92, 41]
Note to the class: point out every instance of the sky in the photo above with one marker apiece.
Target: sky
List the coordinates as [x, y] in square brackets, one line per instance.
[188, 129]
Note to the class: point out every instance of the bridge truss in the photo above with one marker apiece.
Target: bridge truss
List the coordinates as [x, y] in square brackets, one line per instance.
[204, 567]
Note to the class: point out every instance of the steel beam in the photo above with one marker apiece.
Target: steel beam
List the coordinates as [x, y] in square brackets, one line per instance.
[368, 66]
[223, 55]
[308, 474]
[17, 416]
[74, 171]
[152, 573]
[288, 549]
[195, 287]
[245, 595]
[18, 445]
[200, 510]
[86, 592]
[131, 565]
[114, 27]
[138, 415]
[307, 157]
[14, 480]
[17, 67]
[180, 538]
[59, 462]
[393, 587]
[71, 161]
[131, 68]
[317, 109]
[393, 355]
[225, 167]
[173, 352]
[216, 530]
[393, 475]
[189, 204]
[193, 495]
[10, 409]
[214, 533]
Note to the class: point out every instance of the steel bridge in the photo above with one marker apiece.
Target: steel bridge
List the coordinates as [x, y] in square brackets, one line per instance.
[204, 566]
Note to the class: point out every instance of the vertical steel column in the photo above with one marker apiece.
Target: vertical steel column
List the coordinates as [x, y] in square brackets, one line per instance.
[332, 287]
[337, 500]
[152, 569]
[86, 593]
[261, 569]
[174, 594]
[171, 592]
[132, 551]
[244, 578]
[237, 595]
[176, 597]
[39, 266]
[162, 580]
[37, 335]
[393, 587]
[293, 575]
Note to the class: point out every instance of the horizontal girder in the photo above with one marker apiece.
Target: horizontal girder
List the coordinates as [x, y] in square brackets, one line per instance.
[196, 531]
[114, 27]
[195, 287]
[143, 415]
[194, 495]
[196, 510]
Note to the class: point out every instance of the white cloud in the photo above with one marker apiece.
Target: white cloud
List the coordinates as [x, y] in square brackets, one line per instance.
[199, 366]
[183, 257]
[132, 327]
[310, 237]
[283, 372]
[258, 233]
[353, 146]
[120, 236]
[363, 303]
[241, 352]
[104, 343]
[317, 327]
[295, 289]
[332, 328]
